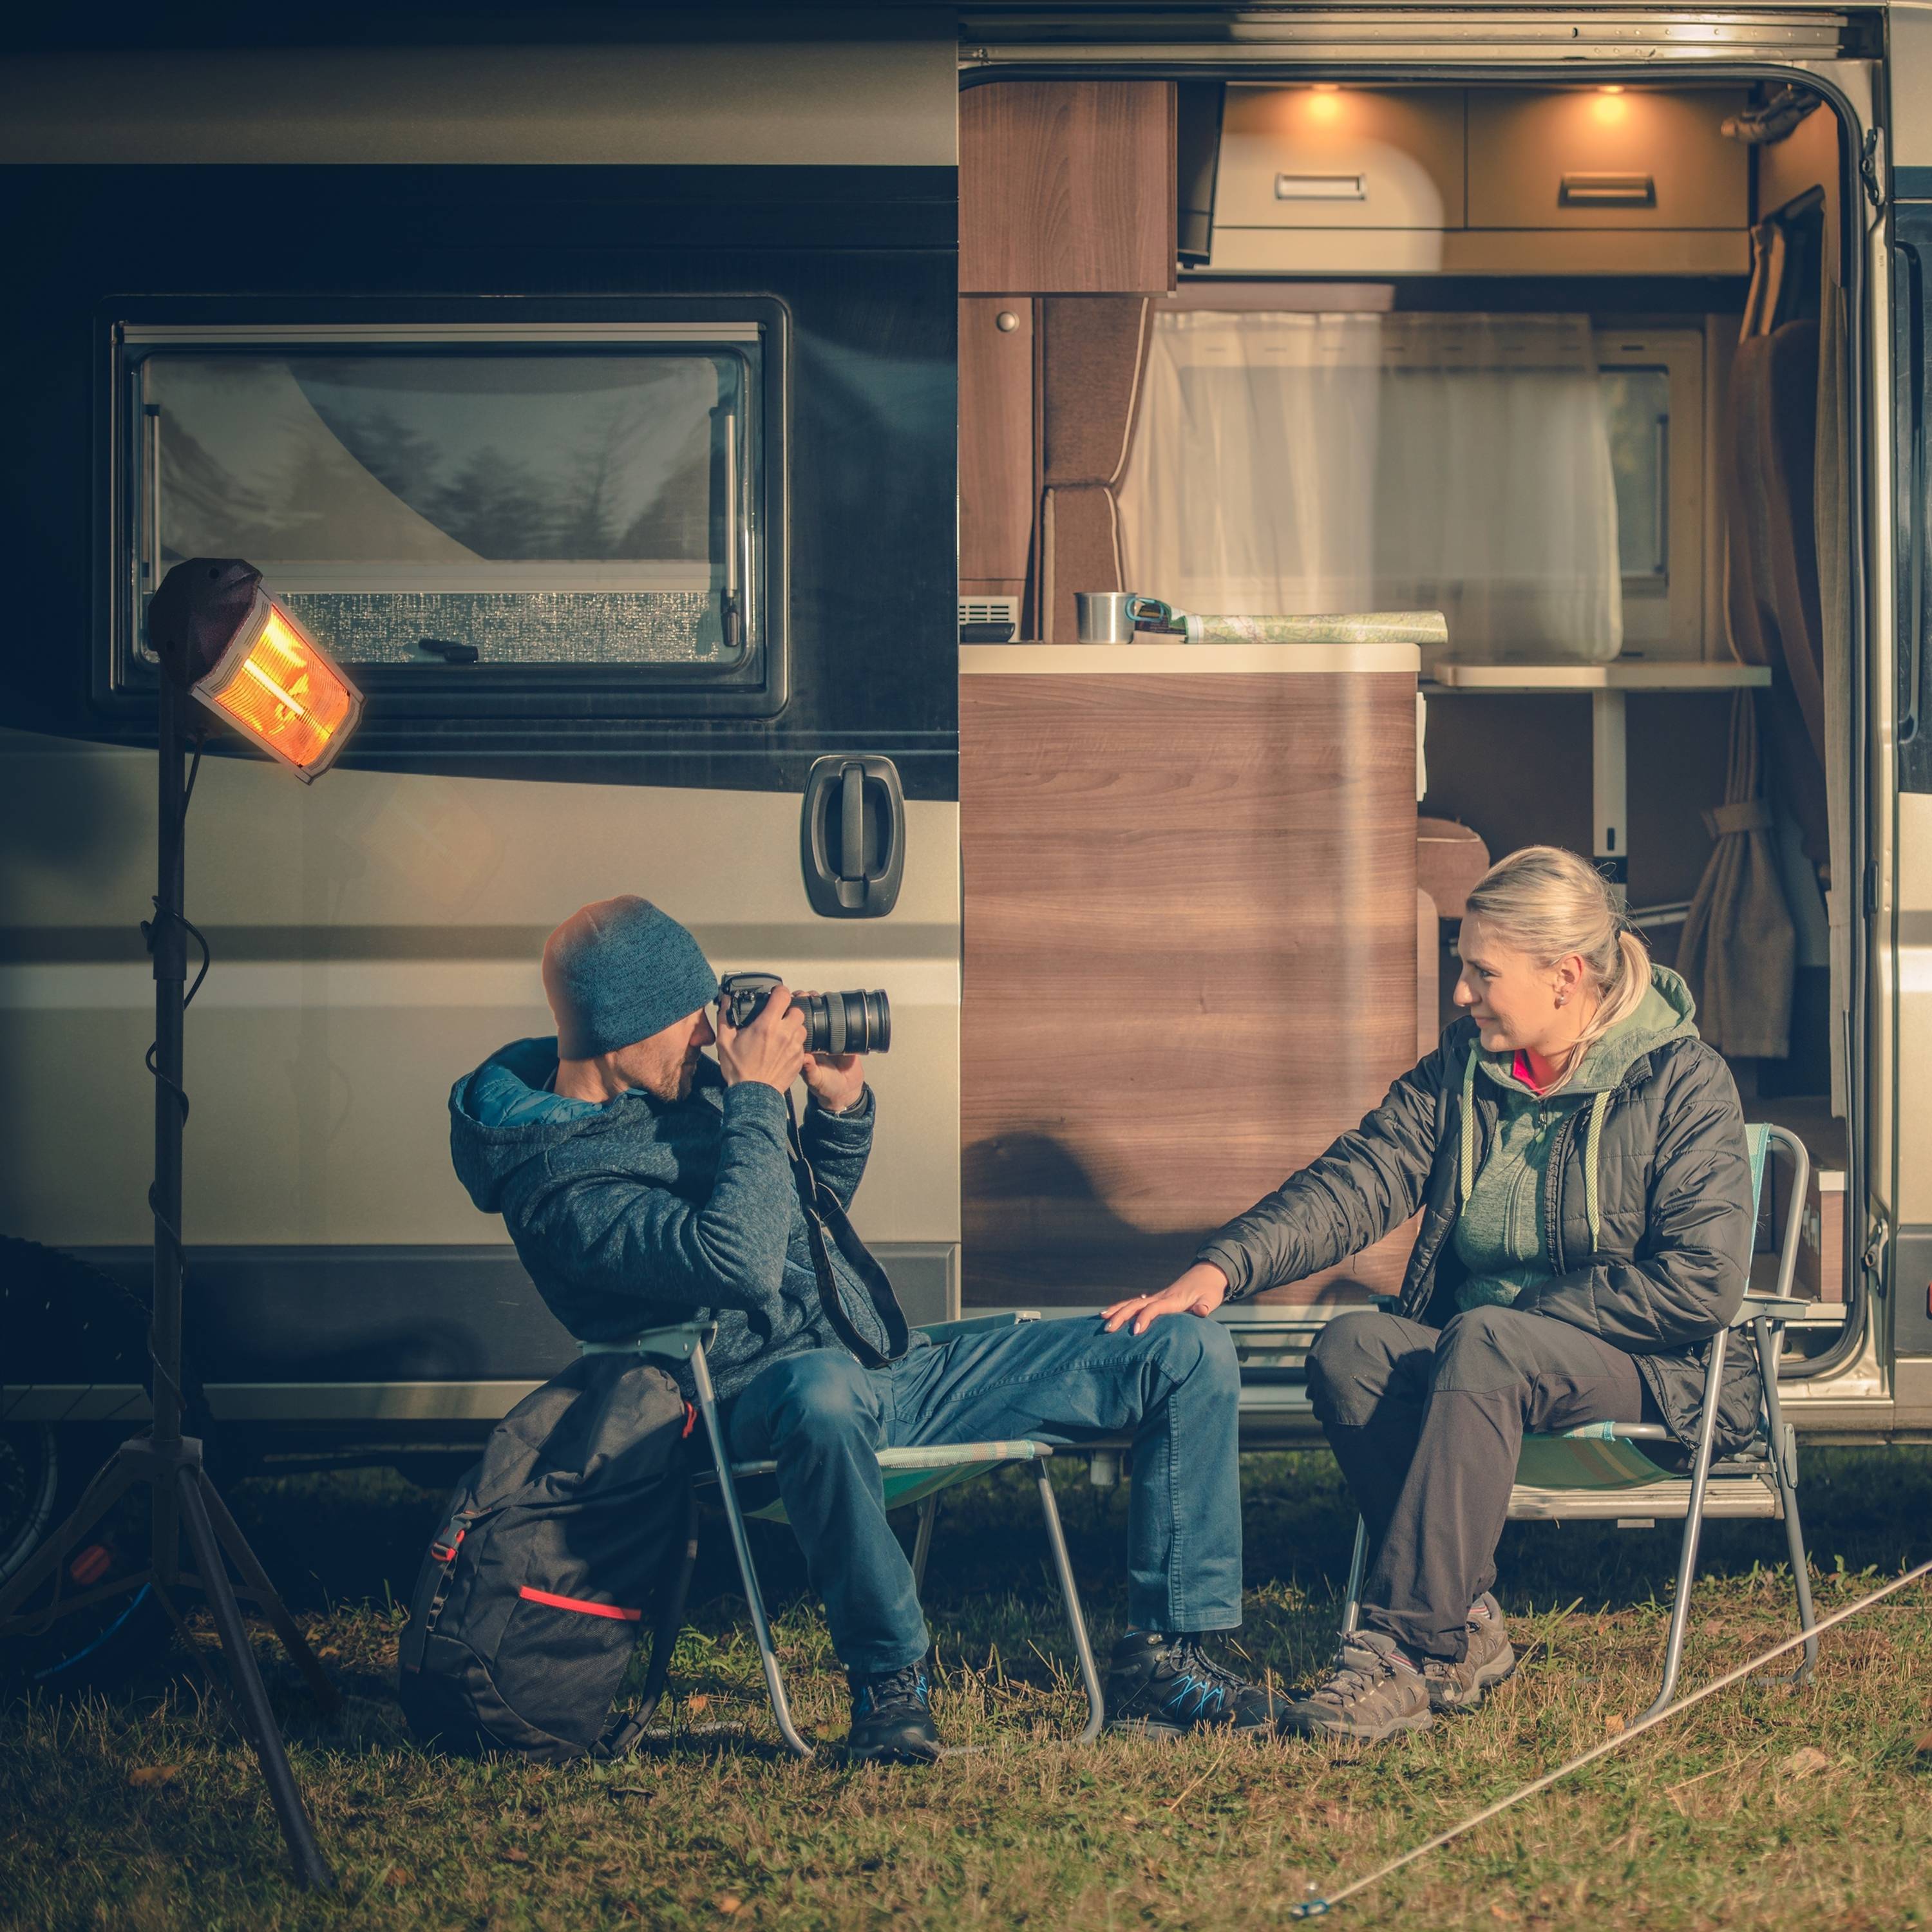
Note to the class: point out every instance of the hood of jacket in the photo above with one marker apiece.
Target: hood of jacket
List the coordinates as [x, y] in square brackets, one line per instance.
[505, 1114]
[1666, 1012]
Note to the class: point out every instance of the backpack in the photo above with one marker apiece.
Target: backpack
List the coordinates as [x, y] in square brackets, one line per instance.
[541, 1578]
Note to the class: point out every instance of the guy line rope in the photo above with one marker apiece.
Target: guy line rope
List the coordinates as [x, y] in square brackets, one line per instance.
[1314, 1908]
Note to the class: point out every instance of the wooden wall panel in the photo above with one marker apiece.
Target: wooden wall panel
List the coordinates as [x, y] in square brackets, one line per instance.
[996, 453]
[1066, 187]
[1190, 961]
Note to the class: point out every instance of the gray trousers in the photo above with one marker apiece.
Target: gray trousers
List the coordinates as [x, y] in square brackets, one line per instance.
[1427, 1423]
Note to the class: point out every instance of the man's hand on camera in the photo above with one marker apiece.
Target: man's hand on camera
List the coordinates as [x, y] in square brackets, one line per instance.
[1201, 1291]
[834, 1080]
[770, 1050]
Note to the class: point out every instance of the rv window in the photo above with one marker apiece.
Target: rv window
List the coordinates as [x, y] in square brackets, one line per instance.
[1652, 387]
[543, 504]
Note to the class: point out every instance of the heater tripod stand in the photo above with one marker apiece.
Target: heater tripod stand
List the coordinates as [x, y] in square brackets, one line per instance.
[168, 1464]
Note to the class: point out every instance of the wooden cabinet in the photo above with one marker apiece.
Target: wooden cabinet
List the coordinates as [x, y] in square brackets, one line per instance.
[1190, 946]
[1066, 187]
[1341, 158]
[996, 444]
[1589, 157]
[1587, 180]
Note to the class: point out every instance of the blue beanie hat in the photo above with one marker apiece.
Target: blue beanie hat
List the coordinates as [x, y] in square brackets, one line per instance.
[617, 972]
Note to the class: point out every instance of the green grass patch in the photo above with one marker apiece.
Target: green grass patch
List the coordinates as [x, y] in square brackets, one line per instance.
[1760, 1808]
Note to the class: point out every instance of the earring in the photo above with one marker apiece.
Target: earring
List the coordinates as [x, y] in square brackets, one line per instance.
[1561, 998]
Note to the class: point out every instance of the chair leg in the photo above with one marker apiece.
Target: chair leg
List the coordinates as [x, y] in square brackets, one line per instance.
[741, 1545]
[1787, 1496]
[1070, 1595]
[922, 1542]
[1693, 1524]
[1358, 1564]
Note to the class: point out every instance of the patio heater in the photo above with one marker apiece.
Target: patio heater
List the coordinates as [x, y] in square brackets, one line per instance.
[226, 646]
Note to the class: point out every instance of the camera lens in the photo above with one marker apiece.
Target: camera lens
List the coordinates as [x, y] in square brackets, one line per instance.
[847, 1022]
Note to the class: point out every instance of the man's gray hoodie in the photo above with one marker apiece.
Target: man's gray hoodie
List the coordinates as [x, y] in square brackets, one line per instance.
[641, 1212]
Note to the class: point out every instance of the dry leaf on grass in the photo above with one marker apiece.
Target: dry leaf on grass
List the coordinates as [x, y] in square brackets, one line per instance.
[696, 1702]
[1613, 1724]
[514, 1855]
[154, 1774]
[1802, 1762]
[730, 1903]
[398, 1876]
[328, 1654]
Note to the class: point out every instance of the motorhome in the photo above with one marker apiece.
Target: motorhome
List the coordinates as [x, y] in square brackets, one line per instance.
[696, 434]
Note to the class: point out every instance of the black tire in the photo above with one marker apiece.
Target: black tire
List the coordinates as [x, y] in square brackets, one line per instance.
[65, 1324]
[44, 1471]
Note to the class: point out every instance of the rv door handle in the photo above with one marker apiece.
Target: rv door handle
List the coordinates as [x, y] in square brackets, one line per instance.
[852, 836]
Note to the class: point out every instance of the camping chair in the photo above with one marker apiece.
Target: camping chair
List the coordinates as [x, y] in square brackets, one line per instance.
[911, 1476]
[1606, 1470]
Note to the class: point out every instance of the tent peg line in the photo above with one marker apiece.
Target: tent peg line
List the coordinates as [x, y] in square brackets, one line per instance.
[1314, 1908]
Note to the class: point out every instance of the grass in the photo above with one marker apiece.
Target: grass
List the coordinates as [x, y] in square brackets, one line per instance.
[1759, 1808]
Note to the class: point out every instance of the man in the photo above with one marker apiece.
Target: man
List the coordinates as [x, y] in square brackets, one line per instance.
[643, 1184]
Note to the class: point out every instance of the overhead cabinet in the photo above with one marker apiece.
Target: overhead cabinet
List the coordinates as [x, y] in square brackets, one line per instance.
[1320, 180]
[1322, 177]
[1592, 158]
[1066, 187]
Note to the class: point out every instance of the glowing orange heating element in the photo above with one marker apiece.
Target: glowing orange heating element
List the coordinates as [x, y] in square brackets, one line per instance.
[279, 688]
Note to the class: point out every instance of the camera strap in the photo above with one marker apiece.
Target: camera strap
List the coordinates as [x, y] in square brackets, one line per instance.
[822, 1211]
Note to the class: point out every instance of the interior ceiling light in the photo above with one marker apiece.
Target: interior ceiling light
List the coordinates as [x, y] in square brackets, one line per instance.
[1325, 103]
[1610, 105]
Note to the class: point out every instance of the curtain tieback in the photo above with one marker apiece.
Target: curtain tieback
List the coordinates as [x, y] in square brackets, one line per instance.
[1751, 814]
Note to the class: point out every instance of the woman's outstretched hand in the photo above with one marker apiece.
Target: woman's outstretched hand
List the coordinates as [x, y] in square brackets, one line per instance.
[1201, 1291]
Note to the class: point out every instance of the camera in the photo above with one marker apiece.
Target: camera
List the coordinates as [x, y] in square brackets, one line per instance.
[834, 1022]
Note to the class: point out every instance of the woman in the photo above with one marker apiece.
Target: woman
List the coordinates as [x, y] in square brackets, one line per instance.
[1578, 1156]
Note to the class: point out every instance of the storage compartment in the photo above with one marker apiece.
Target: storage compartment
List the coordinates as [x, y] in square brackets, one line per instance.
[1190, 946]
[1606, 158]
[1341, 158]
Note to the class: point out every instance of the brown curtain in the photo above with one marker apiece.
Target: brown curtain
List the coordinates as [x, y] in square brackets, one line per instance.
[1739, 948]
[1092, 349]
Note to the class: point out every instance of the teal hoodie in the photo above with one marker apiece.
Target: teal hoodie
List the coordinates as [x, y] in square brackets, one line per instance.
[1499, 1232]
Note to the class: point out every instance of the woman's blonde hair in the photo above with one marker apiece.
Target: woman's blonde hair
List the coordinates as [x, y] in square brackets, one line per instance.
[1548, 903]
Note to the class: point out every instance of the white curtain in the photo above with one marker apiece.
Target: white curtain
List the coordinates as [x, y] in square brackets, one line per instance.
[1298, 463]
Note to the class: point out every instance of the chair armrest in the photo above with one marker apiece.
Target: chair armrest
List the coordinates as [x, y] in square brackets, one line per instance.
[945, 1331]
[1780, 1308]
[678, 1342]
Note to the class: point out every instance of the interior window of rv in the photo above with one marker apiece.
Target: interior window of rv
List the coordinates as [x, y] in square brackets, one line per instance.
[1522, 474]
[536, 506]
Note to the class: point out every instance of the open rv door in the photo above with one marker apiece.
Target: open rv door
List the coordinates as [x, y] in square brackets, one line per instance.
[1900, 893]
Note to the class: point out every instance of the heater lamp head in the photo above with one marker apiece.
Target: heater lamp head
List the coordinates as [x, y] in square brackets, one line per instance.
[221, 636]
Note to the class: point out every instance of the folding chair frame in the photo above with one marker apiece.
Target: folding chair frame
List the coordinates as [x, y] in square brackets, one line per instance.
[686, 1343]
[1775, 1465]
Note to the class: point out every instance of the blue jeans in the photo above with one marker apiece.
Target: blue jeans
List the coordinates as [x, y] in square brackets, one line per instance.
[1174, 1390]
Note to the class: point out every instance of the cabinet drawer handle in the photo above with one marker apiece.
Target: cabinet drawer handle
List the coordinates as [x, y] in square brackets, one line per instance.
[1602, 191]
[1321, 188]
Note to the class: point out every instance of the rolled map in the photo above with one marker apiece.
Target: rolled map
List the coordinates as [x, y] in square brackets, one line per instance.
[1356, 627]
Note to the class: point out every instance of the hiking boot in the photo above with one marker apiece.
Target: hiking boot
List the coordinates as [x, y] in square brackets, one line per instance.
[1372, 1692]
[1489, 1661]
[891, 1718]
[1166, 1687]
